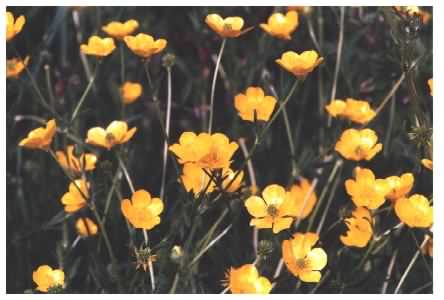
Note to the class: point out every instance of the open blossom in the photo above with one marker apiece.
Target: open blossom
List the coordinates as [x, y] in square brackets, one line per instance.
[142, 211]
[357, 111]
[246, 280]
[144, 45]
[116, 133]
[400, 186]
[130, 92]
[15, 66]
[301, 259]
[98, 46]
[366, 190]
[86, 227]
[357, 144]
[282, 26]
[119, 30]
[227, 28]
[207, 151]
[359, 227]
[76, 197]
[41, 137]
[13, 27]
[254, 102]
[303, 199]
[67, 159]
[414, 211]
[300, 64]
[46, 278]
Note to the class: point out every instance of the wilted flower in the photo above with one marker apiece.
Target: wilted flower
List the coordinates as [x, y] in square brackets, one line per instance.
[76, 196]
[207, 151]
[15, 66]
[144, 45]
[300, 64]
[357, 111]
[98, 47]
[144, 258]
[86, 227]
[359, 227]
[119, 30]
[299, 195]
[86, 161]
[13, 27]
[301, 260]
[227, 28]
[357, 144]
[116, 133]
[246, 280]
[366, 190]
[273, 210]
[414, 211]
[142, 211]
[427, 163]
[40, 138]
[47, 278]
[281, 26]
[130, 92]
[399, 186]
[430, 83]
[254, 102]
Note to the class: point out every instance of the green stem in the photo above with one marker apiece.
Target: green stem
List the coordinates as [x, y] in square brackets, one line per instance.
[122, 64]
[167, 133]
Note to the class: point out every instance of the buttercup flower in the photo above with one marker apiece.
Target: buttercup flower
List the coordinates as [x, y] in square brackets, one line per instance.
[300, 64]
[358, 111]
[74, 199]
[427, 163]
[142, 211]
[412, 10]
[230, 27]
[116, 133]
[144, 45]
[246, 280]
[301, 260]
[13, 27]
[41, 137]
[430, 83]
[119, 30]
[299, 196]
[273, 210]
[68, 161]
[281, 26]
[399, 186]
[254, 101]
[359, 227]
[207, 151]
[46, 278]
[414, 211]
[98, 47]
[15, 66]
[366, 190]
[86, 227]
[336, 108]
[130, 92]
[357, 144]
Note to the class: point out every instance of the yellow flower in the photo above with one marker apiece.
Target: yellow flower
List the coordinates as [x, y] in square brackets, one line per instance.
[358, 144]
[119, 30]
[254, 101]
[46, 278]
[301, 260]
[246, 280]
[230, 27]
[427, 163]
[273, 210]
[15, 66]
[130, 92]
[74, 199]
[13, 28]
[116, 133]
[68, 161]
[414, 211]
[207, 151]
[336, 108]
[40, 138]
[300, 64]
[98, 47]
[359, 227]
[86, 227]
[144, 45]
[366, 190]
[430, 83]
[281, 26]
[142, 211]
[298, 194]
[412, 10]
[399, 186]
[358, 111]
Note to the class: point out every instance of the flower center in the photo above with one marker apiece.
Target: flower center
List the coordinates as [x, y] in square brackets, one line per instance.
[272, 211]
[228, 27]
[110, 138]
[301, 263]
